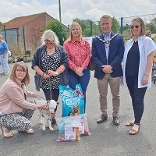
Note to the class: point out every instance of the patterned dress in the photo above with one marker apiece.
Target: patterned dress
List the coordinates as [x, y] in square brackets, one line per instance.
[50, 62]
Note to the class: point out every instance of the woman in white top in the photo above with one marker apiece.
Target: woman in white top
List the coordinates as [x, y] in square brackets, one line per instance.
[137, 67]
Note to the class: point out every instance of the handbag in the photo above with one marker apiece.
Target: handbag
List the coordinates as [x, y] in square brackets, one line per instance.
[91, 64]
[64, 78]
[37, 80]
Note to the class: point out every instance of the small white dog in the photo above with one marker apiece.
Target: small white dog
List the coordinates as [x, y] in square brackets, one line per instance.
[45, 115]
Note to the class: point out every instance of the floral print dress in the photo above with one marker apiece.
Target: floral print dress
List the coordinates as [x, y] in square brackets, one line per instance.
[50, 62]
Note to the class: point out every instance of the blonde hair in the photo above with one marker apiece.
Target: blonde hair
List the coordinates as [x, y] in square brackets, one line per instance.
[24, 67]
[49, 35]
[143, 29]
[70, 30]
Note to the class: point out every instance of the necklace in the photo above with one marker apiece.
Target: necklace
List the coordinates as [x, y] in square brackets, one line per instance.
[107, 43]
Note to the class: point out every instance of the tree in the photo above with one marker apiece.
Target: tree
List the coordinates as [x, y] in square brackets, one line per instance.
[89, 28]
[151, 27]
[58, 28]
[115, 25]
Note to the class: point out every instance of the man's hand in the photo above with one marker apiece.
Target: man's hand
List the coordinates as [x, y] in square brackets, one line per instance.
[107, 69]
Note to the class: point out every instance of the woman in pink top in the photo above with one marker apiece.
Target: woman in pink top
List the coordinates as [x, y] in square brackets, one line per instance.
[15, 111]
[79, 54]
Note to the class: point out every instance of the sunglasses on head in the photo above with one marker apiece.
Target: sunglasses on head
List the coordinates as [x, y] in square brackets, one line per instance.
[136, 26]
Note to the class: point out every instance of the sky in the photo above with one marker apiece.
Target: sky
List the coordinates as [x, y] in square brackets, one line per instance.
[82, 9]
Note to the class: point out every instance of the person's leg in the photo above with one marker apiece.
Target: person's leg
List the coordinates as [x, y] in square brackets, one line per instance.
[5, 62]
[84, 80]
[114, 86]
[28, 113]
[139, 94]
[55, 95]
[2, 64]
[73, 79]
[130, 84]
[15, 122]
[52, 94]
[47, 94]
[103, 90]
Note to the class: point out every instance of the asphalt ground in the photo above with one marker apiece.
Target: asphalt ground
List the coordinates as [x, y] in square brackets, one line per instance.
[105, 139]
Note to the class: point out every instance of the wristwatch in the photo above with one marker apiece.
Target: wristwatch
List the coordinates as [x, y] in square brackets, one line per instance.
[56, 73]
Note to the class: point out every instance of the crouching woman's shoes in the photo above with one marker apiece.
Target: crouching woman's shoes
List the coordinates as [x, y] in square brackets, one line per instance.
[135, 129]
[6, 133]
[103, 118]
[28, 131]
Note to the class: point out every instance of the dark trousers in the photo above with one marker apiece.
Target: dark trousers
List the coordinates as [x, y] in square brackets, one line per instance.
[52, 94]
[137, 95]
[74, 79]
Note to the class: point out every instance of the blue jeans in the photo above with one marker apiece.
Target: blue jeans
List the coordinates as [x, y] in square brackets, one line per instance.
[4, 63]
[74, 79]
[137, 95]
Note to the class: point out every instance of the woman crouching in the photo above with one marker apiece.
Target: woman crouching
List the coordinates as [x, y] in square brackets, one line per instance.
[15, 111]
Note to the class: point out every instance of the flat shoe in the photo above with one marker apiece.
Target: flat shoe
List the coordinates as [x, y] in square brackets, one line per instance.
[29, 131]
[130, 123]
[134, 129]
[6, 133]
[103, 118]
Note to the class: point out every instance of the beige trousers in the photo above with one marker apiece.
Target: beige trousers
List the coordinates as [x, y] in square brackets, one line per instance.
[103, 90]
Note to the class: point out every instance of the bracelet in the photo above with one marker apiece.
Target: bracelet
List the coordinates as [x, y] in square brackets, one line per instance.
[146, 74]
[42, 74]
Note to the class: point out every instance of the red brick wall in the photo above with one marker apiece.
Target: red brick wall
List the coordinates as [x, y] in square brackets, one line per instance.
[33, 30]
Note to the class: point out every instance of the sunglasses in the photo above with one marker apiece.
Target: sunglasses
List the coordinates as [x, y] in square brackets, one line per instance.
[136, 26]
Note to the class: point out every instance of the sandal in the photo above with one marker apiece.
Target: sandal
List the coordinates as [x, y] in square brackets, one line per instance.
[130, 123]
[29, 131]
[135, 129]
[6, 133]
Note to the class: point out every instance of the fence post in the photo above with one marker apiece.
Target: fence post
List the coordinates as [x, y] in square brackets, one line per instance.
[5, 33]
[24, 39]
[121, 25]
[91, 32]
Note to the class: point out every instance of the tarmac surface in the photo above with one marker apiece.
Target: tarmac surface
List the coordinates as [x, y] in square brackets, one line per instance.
[105, 139]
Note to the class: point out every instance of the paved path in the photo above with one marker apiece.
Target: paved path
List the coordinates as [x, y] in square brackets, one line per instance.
[105, 138]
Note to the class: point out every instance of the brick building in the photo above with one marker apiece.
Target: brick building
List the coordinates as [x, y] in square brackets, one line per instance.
[25, 31]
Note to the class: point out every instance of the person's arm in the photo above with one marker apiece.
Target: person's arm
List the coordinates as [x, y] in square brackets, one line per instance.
[149, 63]
[35, 63]
[6, 49]
[71, 63]
[146, 75]
[95, 56]
[63, 62]
[117, 60]
[15, 95]
[33, 95]
[88, 52]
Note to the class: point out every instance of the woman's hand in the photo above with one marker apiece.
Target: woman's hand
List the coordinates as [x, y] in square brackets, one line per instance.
[39, 97]
[44, 107]
[4, 55]
[79, 71]
[45, 76]
[144, 80]
[52, 73]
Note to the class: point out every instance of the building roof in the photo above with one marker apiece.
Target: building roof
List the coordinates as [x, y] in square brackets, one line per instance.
[19, 21]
